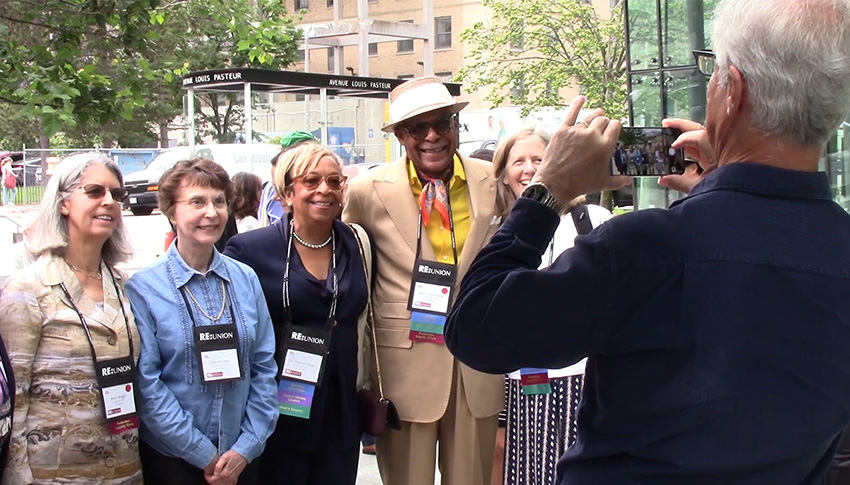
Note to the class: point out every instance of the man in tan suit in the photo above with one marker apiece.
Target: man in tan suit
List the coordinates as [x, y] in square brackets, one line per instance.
[439, 400]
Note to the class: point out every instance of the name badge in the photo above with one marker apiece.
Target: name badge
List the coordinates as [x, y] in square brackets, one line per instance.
[117, 379]
[534, 381]
[219, 354]
[304, 358]
[431, 292]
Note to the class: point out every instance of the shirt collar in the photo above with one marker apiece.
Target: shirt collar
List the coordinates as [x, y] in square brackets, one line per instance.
[457, 172]
[55, 271]
[764, 180]
[183, 272]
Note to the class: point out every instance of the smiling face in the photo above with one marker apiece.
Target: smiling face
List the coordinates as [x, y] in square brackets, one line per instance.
[92, 219]
[433, 154]
[523, 160]
[318, 205]
[200, 214]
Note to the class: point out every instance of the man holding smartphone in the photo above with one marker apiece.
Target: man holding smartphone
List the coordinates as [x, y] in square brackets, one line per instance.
[717, 350]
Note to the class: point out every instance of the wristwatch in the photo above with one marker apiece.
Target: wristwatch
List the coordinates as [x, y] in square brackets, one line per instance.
[539, 192]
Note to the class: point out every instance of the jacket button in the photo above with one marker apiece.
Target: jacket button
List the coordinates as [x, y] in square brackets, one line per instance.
[110, 462]
[111, 340]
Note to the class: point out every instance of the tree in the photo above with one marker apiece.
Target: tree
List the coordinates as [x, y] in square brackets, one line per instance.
[50, 51]
[532, 47]
[105, 72]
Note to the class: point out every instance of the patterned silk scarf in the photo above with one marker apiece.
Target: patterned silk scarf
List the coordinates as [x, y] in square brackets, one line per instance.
[435, 195]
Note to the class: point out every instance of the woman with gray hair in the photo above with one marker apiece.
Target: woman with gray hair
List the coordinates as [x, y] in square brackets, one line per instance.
[72, 339]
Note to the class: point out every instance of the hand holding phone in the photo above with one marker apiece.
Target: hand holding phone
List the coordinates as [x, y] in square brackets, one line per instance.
[647, 151]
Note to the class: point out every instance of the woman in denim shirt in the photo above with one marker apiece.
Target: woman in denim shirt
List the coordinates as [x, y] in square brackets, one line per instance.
[206, 372]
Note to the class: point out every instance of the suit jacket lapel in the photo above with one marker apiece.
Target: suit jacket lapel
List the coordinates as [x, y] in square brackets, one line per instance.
[395, 194]
[482, 198]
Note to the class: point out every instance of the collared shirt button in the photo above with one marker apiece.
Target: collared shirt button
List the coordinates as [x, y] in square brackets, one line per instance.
[111, 340]
[110, 462]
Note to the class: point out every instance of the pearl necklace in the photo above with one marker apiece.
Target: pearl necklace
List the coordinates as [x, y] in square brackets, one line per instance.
[97, 276]
[313, 246]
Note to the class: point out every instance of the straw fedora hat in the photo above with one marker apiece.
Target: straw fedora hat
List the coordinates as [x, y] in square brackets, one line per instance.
[418, 96]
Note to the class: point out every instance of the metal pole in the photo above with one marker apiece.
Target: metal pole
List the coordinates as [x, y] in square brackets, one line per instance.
[249, 126]
[323, 103]
[191, 113]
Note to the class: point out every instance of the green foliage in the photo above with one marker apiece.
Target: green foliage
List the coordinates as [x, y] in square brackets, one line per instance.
[534, 46]
[104, 72]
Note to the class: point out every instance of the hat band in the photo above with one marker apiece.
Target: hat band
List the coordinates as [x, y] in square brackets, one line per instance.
[420, 99]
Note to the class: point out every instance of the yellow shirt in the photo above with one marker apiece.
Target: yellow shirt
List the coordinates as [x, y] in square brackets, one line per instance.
[439, 236]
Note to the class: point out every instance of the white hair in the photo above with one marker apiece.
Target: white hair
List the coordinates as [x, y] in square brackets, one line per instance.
[50, 232]
[795, 58]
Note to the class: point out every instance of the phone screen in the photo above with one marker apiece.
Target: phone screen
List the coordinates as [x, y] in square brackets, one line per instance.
[646, 151]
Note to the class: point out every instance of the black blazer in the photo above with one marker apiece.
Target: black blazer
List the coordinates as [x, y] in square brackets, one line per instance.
[335, 407]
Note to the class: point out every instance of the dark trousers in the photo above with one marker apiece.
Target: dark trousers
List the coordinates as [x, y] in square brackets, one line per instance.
[839, 470]
[324, 467]
[166, 470]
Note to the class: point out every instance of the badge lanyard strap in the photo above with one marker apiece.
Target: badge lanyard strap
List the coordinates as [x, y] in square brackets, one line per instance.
[83, 320]
[287, 309]
[451, 228]
[189, 307]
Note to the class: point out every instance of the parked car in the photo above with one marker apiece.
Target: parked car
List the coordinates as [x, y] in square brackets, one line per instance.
[469, 146]
[143, 185]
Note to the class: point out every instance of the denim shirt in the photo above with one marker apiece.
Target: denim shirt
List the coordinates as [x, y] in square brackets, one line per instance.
[181, 416]
[716, 331]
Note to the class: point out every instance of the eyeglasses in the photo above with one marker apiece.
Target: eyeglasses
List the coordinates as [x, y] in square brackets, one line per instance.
[201, 203]
[705, 62]
[420, 130]
[97, 191]
[312, 181]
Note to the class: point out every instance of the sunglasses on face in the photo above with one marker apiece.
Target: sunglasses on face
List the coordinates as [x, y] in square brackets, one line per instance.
[705, 62]
[97, 191]
[420, 130]
[201, 203]
[312, 181]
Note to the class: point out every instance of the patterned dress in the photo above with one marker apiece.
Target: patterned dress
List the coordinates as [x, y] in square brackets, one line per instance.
[59, 434]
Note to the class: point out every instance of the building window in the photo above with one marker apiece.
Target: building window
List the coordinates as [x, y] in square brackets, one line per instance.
[330, 3]
[443, 33]
[517, 35]
[405, 45]
[301, 56]
[301, 5]
[331, 65]
[373, 48]
[517, 90]
[445, 76]
[405, 76]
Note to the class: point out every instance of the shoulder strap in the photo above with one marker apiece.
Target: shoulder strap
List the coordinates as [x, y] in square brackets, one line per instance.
[581, 218]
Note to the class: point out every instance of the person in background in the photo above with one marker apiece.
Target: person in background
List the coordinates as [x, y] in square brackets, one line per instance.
[541, 418]
[10, 187]
[206, 371]
[248, 188]
[21, 256]
[65, 319]
[271, 210]
[431, 208]
[716, 330]
[313, 280]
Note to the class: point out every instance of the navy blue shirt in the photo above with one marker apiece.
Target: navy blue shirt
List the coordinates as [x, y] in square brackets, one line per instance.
[717, 331]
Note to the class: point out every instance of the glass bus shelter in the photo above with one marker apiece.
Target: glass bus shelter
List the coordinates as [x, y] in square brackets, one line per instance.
[345, 113]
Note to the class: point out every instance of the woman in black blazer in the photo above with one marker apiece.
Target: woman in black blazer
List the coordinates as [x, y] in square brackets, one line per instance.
[320, 256]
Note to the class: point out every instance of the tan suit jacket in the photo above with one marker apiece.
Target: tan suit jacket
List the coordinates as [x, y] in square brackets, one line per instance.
[417, 377]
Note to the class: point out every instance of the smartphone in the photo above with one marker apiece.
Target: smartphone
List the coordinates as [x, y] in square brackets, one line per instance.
[646, 152]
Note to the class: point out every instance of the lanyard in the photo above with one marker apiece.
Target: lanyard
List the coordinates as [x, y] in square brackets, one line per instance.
[287, 308]
[83, 320]
[451, 227]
